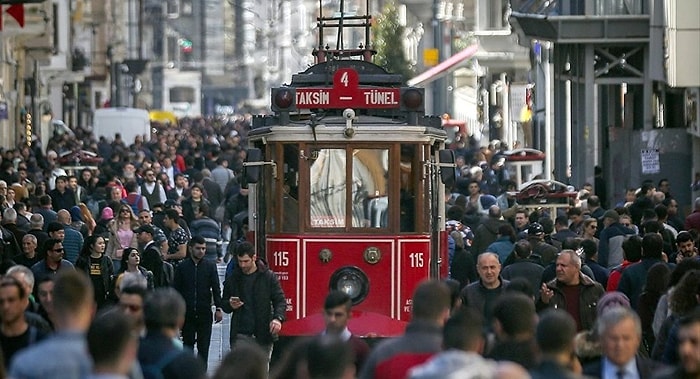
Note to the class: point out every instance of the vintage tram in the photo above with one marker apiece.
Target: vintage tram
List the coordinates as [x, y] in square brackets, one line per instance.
[347, 180]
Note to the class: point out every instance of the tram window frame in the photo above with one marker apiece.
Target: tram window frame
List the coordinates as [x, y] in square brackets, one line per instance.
[288, 183]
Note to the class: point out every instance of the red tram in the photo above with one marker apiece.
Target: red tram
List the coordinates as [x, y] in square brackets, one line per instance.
[347, 180]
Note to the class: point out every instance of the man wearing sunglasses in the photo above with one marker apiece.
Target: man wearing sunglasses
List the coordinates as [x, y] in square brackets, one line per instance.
[53, 263]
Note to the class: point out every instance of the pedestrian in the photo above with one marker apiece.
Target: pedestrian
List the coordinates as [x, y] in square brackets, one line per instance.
[114, 359]
[98, 267]
[337, 310]
[197, 280]
[121, 234]
[555, 335]
[159, 356]
[64, 354]
[254, 297]
[392, 359]
[53, 263]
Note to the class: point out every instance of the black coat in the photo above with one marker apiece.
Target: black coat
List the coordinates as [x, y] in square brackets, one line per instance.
[270, 302]
[198, 283]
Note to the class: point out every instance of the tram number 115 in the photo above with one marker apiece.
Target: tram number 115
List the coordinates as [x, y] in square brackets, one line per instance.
[281, 258]
[416, 260]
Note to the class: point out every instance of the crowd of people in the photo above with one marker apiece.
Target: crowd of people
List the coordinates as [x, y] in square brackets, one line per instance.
[602, 290]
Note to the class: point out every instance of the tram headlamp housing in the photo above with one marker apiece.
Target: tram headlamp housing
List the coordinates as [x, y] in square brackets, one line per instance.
[283, 99]
[352, 281]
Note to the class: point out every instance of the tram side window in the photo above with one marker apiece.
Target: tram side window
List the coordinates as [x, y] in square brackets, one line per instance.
[327, 189]
[407, 194]
[290, 189]
[370, 198]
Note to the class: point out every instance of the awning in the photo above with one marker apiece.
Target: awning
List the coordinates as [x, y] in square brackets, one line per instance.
[444, 68]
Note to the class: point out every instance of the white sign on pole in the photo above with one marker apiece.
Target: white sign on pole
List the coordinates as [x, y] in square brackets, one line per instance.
[650, 162]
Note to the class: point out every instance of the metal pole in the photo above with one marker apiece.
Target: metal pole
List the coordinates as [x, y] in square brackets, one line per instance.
[549, 109]
[439, 84]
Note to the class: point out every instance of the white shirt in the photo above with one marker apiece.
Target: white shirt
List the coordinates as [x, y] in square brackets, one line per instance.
[610, 370]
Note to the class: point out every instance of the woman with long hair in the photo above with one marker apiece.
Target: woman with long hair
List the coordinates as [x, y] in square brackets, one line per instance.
[121, 234]
[131, 262]
[99, 267]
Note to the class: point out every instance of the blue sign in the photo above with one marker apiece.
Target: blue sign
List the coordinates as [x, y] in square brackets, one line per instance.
[3, 110]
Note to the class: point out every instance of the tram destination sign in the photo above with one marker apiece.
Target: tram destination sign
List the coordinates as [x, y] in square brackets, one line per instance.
[347, 93]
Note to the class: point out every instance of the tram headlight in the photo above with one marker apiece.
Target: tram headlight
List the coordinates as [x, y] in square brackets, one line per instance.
[352, 281]
[283, 99]
[412, 99]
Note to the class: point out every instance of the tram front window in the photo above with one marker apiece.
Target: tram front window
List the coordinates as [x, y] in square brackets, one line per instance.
[370, 200]
[327, 179]
[368, 194]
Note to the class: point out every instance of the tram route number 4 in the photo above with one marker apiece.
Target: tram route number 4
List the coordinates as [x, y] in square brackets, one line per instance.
[346, 93]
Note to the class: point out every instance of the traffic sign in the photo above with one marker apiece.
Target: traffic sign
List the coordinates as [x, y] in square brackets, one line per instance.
[346, 93]
[17, 12]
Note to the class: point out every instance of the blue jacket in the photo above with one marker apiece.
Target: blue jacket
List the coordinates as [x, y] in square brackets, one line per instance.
[502, 246]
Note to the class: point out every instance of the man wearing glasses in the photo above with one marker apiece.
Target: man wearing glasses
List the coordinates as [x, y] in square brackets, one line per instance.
[53, 263]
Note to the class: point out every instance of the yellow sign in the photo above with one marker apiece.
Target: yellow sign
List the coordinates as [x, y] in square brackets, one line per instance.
[431, 57]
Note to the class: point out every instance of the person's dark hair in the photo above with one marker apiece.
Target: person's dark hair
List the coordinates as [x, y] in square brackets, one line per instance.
[562, 220]
[573, 211]
[113, 326]
[516, 313]
[125, 258]
[590, 248]
[646, 186]
[455, 291]
[652, 246]
[547, 224]
[683, 299]
[172, 214]
[683, 237]
[11, 281]
[246, 360]
[131, 186]
[463, 330]
[455, 212]
[522, 249]
[134, 290]
[555, 332]
[681, 269]
[593, 201]
[294, 356]
[245, 248]
[571, 243]
[651, 226]
[661, 211]
[196, 240]
[657, 280]
[430, 299]
[163, 308]
[507, 230]
[632, 248]
[328, 357]
[45, 200]
[49, 244]
[521, 285]
[88, 245]
[337, 298]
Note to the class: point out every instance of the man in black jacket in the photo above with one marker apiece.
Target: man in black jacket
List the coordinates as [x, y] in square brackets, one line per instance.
[197, 280]
[250, 292]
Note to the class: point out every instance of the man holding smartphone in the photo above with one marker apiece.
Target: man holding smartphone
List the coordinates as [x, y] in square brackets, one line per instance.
[249, 294]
